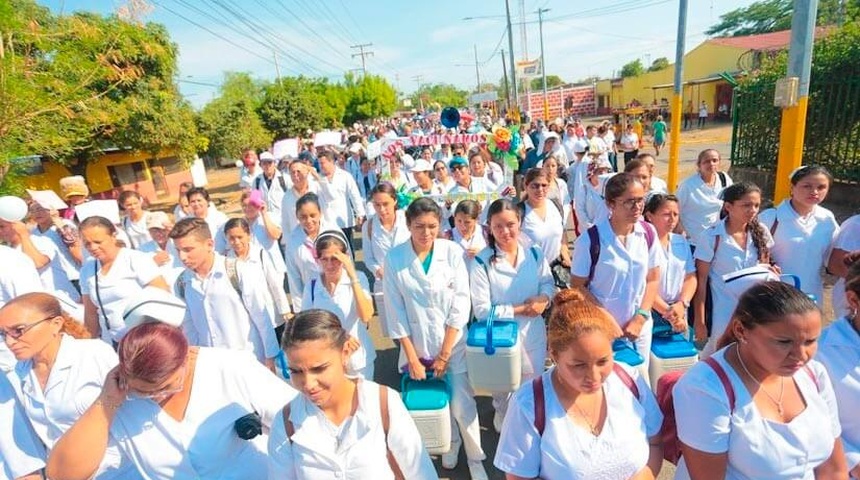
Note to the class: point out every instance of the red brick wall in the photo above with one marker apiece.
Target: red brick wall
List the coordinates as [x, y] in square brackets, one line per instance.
[584, 102]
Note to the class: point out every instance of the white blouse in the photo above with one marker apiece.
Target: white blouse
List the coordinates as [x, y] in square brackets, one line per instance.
[678, 264]
[546, 233]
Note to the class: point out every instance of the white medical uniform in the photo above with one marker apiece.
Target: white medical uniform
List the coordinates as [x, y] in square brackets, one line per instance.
[74, 383]
[476, 241]
[21, 451]
[658, 185]
[246, 176]
[477, 185]
[18, 276]
[848, 239]
[171, 270]
[421, 306]
[314, 451]
[620, 275]
[52, 274]
[813, 235]
[700, 205]
[376, 242]
[300, 257]
[839, 352]
[216, 220]
[342, 303]
[269, 245]
[730, 258]
[289, 222]
[227, 385]
[545, 232]
[591, 207]
[130, 272]
[756, 447]
[340, 200]
[137, 232]
[274, 280]
[503, 285]
[561, 194]
[679, 263]
[569, 451]
[70, 265]
[273, 192]
[216, 316]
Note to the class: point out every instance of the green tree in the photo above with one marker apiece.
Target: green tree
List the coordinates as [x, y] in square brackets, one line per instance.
[661, 63]
[230, 121]
[369, 96]
[290, 106]
[632, 69]
[767, 16]
[443, 94]
[552, 81]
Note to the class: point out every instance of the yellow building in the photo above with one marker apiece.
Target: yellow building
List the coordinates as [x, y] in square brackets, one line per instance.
[705, 69]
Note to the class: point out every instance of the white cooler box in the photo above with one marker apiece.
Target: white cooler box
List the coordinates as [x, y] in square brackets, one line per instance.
[493, 356]
[670, 353]
[428, 404]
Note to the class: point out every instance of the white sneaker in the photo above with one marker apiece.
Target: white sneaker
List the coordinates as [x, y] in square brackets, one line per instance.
[476, 470]
[452, 456]
[498, 419]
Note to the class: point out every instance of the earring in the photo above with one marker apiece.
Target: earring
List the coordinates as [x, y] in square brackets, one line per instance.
[743, 340]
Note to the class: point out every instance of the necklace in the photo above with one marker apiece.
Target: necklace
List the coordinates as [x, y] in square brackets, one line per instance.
[778, 400]
[592, 426]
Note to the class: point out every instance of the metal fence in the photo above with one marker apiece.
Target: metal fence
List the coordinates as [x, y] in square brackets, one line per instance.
[832, 135]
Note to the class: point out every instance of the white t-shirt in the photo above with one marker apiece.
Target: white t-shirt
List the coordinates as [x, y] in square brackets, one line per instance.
[756, 447]
[130, 273]
[567, 450]
[813, 235]
[546, 233]
[839, 352]
[848, 239]
[700, 205]
[137, 232]
[679, 264]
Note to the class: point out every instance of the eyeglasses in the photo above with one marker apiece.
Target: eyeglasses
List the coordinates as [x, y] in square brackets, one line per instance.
[538, 186]
[632, 203]
[20, 330]
[159, 394]
[460, 167]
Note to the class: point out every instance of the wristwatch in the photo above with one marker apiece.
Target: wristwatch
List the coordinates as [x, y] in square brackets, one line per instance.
[645, 313]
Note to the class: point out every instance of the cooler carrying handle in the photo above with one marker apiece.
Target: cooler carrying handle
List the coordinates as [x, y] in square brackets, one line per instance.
[489, 349]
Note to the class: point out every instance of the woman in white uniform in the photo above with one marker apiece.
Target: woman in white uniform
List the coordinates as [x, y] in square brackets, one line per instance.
[340, 289]
[761, 406]
[299, 172]
[558, 190]
[111, 277]
[264, 230]
[22, 455]
[801, 224]
[587, 417]
[678, 276]
[846, 248]
[426, 287]
[839, 352]
[543, 222]
[176, 412]
[467, 232]
[738, 241]
[134, 222]
[300, 255]
[339, 425]
[699, 195]
[625, 276]
[59, 373]
[591, 207]
[516, 280]
[379, 234]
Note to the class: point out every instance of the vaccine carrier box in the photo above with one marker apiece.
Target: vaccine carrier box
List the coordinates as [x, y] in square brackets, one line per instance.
[625, 352]
[428, 404]
[670, 353]
[493, 356]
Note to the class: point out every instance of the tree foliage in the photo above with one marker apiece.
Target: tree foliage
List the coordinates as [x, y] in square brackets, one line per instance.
[230, 121]
[552, 81]
[632, 69]
[369, 96]
[443, 94]
[661, 63]
[290, 106]
[767, 16]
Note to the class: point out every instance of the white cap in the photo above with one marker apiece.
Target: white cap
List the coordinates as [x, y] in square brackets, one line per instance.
[355, 148]
[267, 157]
[407, 160]
[12, 208]
[153, 305]
[421, 165]
[739, 281]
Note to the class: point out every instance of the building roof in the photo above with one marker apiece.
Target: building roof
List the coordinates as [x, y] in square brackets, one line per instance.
[765, 41]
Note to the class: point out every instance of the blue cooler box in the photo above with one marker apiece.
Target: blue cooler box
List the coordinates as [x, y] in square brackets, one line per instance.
[427, 403]
[669, 353]
[494, 361]
[625, 352]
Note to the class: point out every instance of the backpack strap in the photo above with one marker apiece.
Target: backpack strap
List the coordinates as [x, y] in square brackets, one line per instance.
[775, 224]
[257, 182]
[386, 421]
[626, 379]
[540, 405]
[723, 180]
[282, 181]
[724, 379]
[812, 377]
[649, 233]
[313, 289]
[593, 251]
[534, 249]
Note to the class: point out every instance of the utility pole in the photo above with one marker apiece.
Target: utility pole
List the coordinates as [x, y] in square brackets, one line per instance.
[540, 13]
[361, 53]
[418, 79]
[677, 98]
[516, 105]
[277, 68]
[477, 71]
[507, 89]
[793, 125]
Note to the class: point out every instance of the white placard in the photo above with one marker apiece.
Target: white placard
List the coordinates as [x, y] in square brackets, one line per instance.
[98, 208]
[48, 199]
[374, 149]
[288, 147]
[327, 138]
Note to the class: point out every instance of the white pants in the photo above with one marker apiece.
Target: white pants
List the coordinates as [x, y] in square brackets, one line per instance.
[464, 413]
[379, 300]
[537, 358]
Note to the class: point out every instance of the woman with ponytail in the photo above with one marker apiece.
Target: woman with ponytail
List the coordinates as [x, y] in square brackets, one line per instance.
[60, 370]
[737, 242]
[517, 281]
[587, 417]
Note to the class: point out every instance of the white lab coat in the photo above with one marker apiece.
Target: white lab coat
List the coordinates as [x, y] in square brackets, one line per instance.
[848, 239]
[812, 235]
[313, 451]
[227, 385]
[339, 198]
[300, 257]
[269, 245]
[700, 204]
[216, 220]
[17, 277]
[217, 317]
[289, 222]
[274, 280]
[839, 352]
[21, 452]
[376, 243]
[273, 194]
[74, 383]
[591, 206]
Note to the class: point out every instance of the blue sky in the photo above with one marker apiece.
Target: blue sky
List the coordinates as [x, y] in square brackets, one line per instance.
[429, 39]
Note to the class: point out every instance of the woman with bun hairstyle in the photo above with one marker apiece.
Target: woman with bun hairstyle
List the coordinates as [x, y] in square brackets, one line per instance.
[839, 352]
[342, 290]
[60, 371]
[587, 417]
[175, 411]
[339, 424]
[517, 282]
[761, 406]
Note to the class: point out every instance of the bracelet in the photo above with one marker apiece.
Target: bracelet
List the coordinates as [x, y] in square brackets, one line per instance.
[107, 405]
[644, 313]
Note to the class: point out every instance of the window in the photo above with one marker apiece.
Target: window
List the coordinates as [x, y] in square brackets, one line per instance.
[127, 174]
